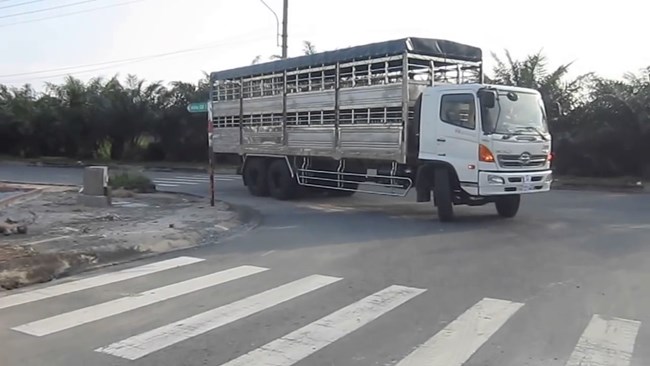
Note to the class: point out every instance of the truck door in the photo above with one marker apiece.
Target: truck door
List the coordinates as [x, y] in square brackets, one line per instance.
[457, 133]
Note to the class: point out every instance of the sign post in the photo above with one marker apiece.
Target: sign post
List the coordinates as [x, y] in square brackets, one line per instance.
[202, 107]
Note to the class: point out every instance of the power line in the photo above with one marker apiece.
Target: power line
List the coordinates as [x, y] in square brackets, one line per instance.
[70, 13]
[20, 4]
[47, 9]
[133, 59]
[115, 63]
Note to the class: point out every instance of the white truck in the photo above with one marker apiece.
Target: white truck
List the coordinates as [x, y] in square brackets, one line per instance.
[383, 118]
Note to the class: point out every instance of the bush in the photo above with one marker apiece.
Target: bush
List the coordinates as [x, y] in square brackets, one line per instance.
[132, 181]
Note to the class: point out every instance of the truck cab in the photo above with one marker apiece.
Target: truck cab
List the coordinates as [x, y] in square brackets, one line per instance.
[493, 140]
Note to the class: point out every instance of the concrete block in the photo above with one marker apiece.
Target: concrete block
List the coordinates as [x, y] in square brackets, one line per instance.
[94, 201]
[95, 180]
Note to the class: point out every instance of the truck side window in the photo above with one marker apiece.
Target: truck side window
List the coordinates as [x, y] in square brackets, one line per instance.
[458, 110]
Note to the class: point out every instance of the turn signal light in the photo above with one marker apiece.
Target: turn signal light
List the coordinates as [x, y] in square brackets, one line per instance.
[484, 154]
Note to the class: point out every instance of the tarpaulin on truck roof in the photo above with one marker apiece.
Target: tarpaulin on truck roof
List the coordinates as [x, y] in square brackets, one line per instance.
[421, 46]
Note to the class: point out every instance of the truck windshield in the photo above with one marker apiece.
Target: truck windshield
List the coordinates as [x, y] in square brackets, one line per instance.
[515, 112]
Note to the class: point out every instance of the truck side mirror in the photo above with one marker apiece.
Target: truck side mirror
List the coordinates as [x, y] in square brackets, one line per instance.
[488, 98]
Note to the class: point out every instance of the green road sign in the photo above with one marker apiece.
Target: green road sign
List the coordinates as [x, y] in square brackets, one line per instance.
[201, 107]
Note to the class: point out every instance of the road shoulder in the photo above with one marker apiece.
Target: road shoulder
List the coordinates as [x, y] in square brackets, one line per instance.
[63, 237]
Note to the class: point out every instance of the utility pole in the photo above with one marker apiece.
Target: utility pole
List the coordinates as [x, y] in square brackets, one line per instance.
[285, 15]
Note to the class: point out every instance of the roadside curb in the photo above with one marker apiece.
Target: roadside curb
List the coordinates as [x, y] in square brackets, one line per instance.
[112, 165]
[40, 184]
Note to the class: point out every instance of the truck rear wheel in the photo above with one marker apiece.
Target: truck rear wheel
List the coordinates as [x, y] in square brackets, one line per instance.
[281, 184]
[508, 206]
[255, 173]
[442, 194]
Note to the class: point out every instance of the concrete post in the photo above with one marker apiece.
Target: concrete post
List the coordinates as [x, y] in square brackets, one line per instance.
[95, 191]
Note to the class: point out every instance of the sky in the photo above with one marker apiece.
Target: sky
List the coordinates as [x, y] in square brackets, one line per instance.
[197, 36]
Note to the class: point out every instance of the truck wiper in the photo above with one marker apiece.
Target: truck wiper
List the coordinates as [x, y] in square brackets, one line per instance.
[535, 129]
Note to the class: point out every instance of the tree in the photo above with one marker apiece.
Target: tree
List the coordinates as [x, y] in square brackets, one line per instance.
[531, 72]
[308, 48]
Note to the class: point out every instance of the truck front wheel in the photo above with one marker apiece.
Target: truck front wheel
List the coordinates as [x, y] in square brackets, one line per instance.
[442, 194]
[508, 206]
[255, 173]
[282, 185]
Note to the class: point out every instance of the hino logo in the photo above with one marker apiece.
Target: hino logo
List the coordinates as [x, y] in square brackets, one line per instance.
[524, 158]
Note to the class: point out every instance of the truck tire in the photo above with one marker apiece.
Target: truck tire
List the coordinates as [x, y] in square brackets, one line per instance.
[442, 194]
[282, 185]
[508, 206]
[255, 173]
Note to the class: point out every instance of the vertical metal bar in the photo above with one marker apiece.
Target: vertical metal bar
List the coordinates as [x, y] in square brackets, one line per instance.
[459, 77]
[433, 72]
[405, 103]
[241, 112]
[211, 145]
[284, 108]
[386, 71]
[337, 112]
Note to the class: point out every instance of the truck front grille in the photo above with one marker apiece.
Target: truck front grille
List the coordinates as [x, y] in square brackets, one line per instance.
[521, 161]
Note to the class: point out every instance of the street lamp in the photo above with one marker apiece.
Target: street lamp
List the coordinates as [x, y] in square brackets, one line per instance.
[285, 11]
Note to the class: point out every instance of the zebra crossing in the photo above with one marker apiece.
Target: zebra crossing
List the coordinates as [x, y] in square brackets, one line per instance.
[191, 180]
[604, 340]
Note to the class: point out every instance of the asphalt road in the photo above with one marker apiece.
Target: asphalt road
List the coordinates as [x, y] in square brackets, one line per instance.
[358, 281]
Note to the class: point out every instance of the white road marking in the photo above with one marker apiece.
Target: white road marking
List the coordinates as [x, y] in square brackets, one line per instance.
[307, 340]
[166, 185]
[325, 207]
[46, 240]
[143, 344]
[203, 180]
[278, 227]
[96, 312]
[221, 227]
[101, 280]
[197, 178]
[268, 253]
[175, 181]
[606, 342]
[459, 340]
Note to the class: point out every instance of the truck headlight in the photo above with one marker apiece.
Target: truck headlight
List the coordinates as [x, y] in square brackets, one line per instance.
[495, 179]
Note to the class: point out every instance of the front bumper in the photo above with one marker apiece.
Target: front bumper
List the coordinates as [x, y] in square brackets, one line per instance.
[501, 183]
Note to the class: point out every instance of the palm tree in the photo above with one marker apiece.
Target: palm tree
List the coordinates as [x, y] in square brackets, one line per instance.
[532, 72]
[308, 49]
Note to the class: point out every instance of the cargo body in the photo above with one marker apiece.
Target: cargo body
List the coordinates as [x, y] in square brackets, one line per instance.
[370, 119]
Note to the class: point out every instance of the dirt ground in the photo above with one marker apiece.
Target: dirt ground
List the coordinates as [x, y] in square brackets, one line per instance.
[64, 237]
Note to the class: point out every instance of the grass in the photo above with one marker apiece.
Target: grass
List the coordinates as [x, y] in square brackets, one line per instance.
[132, 182]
